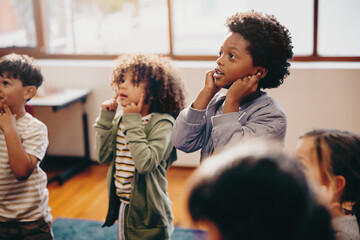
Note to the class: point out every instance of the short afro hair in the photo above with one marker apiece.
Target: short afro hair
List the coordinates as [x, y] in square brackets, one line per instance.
[270, 44]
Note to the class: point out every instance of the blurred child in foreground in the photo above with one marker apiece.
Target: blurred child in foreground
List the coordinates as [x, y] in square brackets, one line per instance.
[331, 161]
[253, 191]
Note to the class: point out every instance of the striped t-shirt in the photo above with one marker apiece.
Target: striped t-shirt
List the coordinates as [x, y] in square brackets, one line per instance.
[25, 200]
[124, 164]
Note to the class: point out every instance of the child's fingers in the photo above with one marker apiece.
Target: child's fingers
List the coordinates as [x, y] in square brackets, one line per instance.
[114, 104]
[254, 79]
[104, 106]
[116, 95]
[111, 107]
[258, 74]
[210, 73]
[6, 108]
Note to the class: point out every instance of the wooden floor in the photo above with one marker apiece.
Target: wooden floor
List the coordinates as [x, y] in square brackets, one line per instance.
[85, 195]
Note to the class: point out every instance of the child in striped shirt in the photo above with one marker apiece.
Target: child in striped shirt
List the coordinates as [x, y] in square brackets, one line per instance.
[137, 142]
[24, 210]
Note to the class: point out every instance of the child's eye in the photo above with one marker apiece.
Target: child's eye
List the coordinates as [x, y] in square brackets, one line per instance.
[219, 53]
[231, 56]
[5, 83]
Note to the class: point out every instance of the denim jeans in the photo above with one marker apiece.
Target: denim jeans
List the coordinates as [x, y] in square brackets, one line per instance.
[39, 230]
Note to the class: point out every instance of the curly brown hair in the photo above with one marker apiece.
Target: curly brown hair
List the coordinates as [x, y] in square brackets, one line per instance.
[165, 86]
[270, 44]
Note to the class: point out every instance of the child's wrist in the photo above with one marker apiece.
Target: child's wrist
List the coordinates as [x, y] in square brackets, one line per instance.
[9, 131]
[230, 99]
[209, 92]
[203, 99]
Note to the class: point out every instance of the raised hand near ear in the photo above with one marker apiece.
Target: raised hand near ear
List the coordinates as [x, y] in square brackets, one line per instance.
[240, 89]
[135, 108]
[243, 87]
[110, 105]
[259, 74]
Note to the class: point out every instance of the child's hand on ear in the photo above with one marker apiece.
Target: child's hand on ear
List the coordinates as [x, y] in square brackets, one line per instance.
[6, 116]
[243, 87]
[110, 105]
[135, 108]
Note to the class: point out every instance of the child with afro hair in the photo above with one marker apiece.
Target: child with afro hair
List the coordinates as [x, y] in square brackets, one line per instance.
[255, 55]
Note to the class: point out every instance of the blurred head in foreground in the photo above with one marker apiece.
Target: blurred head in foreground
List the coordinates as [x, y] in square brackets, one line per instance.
[253, 191]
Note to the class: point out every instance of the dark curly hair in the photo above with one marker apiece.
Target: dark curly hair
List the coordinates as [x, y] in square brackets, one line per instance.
[22, 67]
[165, 84]
[270, 44]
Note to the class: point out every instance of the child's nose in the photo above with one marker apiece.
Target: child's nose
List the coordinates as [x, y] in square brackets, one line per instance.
[219, 61]
[122, 86]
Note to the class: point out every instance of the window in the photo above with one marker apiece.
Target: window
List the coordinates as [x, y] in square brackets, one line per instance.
[106, 27]
[198, 25]
[184, 29]
[17, 25]
[339, 33]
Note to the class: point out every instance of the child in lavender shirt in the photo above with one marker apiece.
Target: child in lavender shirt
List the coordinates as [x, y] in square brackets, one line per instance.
[253, 56]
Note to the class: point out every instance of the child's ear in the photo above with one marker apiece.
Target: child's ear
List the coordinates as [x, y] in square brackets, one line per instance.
[30, 91]
[339, 185]
[261, 72]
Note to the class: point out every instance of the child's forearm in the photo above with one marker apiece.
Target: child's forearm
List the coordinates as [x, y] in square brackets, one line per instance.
[203, 99]
[21, 163]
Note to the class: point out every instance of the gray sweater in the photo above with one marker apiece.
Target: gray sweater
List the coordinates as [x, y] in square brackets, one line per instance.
[210, 130]
[346, 228]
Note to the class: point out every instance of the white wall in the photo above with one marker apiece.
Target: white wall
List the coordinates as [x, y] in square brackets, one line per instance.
[314, 95]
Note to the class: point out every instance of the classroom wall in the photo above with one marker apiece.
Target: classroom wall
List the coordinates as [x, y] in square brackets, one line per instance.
[314, 95]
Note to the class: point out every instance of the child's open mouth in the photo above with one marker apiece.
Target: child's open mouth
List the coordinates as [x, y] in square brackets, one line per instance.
[218, 73]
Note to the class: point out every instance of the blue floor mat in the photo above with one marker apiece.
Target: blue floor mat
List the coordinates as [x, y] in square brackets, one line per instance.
[78, 229]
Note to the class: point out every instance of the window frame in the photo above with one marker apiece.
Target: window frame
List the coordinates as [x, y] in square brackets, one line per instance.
[39, 52]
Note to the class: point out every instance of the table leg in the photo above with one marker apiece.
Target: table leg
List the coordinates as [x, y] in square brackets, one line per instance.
[81, 163]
